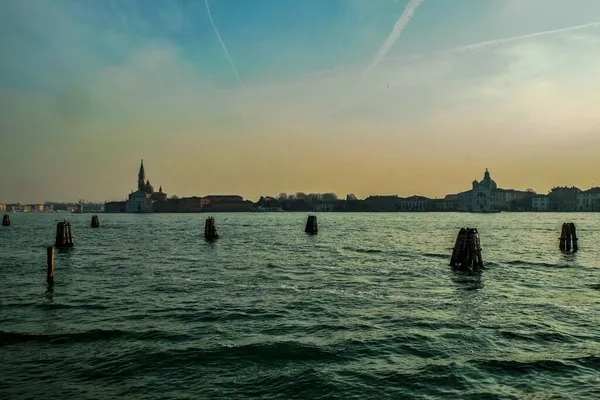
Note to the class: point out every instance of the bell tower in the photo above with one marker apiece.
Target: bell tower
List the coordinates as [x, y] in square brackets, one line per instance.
[141, 177]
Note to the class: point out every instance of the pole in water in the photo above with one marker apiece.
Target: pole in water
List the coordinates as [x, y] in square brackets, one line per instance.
[64, 235]
[312, 226]
[467, 250]
[574, 236]
[210, 229]
[568, 241]
[563, 237]
[50, 264]
[95, 222]
[6, 220]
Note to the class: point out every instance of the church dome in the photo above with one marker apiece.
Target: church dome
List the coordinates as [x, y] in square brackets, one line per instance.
[488, 181]
[149, 188]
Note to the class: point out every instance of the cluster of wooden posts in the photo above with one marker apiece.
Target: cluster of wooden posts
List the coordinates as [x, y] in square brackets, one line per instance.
[466, 253]
[568, 238]
[210, 229]
[467, 250]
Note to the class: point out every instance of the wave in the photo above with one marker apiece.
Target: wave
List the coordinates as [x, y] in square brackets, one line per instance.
[537, 337]
[364, 251]
[9, 338]
[533, 263]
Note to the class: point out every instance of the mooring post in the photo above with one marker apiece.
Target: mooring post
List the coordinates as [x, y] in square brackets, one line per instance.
[64, 235]
[50, 264]
[458, 245]
[574, 237]
[312, 226]
[477, 249]
[210, 229]
[6, 220]
[95, 222]
[563, 237]
[568, 238]
[467, 250]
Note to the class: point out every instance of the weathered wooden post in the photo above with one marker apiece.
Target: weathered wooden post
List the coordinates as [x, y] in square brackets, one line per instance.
[50, 266]
[95, 222]
[574, 237]
[210, 229]
[6, 220]
[312, 226]
[563, 237]
[568, 238]
[467, 250]
[64, 235]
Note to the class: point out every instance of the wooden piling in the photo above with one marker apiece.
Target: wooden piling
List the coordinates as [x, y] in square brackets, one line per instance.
[50, 264]
[563, 237]
[568, 238]
[574, 237]
[312, 226]
[210, 229]
[95, 222]
[64, 235]
[6, 220]
[467, 250]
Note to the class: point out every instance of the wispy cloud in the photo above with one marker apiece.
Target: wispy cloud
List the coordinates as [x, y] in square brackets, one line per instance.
[223, 44]
[393, 37]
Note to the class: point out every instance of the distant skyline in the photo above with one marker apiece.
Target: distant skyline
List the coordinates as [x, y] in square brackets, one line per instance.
[269, 96]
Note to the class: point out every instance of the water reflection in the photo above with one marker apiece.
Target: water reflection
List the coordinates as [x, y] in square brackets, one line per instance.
[466, 279]
[50, 292]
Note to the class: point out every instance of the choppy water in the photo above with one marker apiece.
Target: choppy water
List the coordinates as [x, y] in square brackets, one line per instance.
[143, 308]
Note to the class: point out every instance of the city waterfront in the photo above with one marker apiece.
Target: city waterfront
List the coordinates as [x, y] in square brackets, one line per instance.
[144, 308]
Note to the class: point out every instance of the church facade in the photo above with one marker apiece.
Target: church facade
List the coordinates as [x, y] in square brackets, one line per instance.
[484, 196]
[141, 200]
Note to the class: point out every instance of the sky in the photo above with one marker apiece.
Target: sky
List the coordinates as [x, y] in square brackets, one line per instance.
[267, 96]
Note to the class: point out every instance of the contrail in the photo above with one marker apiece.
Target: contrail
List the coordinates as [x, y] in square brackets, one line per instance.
[498, 42]
[400, 25]
[223, 44]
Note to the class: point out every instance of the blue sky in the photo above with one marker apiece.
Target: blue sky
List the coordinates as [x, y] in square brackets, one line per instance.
[110, 82]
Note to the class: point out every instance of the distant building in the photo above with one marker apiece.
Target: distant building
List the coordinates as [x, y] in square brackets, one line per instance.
[589, 200]
[484, 196]
[380, 203]
[228, 198]
[115, 207]
[14, 207]
[540, 203]
[324, 207]
[141, 200]
[2, 207]
[564, 198]
[412, 203]
[448, 203]
[224, 203]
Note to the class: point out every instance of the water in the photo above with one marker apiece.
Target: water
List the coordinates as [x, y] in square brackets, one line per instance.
[143, 308]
